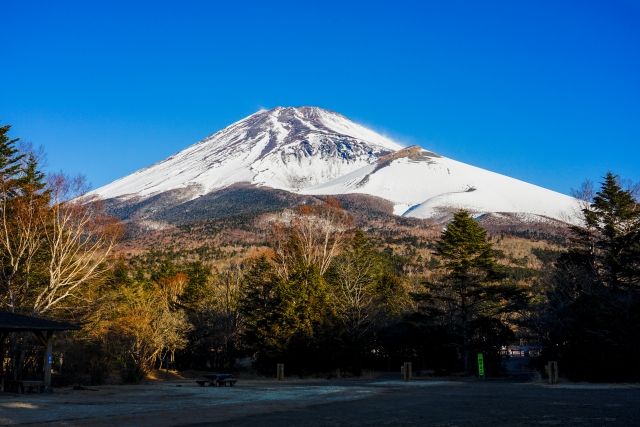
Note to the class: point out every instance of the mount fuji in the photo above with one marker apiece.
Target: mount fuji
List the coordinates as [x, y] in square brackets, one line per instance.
[316, 152]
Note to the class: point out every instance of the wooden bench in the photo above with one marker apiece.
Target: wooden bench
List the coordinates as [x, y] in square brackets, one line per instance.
[224, 382]
[24, 386]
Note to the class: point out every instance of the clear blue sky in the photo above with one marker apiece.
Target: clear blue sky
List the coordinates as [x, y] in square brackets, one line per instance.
[543, 91]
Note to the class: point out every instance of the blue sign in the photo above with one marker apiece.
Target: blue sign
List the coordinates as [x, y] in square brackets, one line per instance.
[49, 359]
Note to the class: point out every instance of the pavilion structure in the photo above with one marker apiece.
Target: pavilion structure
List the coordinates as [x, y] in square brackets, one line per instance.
[43, 329]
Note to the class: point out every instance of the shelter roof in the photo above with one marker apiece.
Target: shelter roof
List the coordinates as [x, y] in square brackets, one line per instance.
[12, 322]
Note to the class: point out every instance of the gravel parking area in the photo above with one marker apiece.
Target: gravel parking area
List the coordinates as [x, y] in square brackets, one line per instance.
[329, 403]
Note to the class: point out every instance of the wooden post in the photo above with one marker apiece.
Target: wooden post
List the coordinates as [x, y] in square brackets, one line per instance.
[166, 362]
[48, 360]
[280, 371]
[3, 336]
[407, 371]
[552, 370]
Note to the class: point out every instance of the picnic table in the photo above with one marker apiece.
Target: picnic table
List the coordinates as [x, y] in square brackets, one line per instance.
[217, 380]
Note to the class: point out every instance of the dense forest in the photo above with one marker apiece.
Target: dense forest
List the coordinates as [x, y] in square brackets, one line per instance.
[314, 287]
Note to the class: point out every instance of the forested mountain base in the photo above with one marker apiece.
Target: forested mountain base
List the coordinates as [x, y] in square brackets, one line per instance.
[403, 250]
[385, 294]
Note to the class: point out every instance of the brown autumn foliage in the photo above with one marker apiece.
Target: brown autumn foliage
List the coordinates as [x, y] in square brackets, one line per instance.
[173, 287]
[139, 324]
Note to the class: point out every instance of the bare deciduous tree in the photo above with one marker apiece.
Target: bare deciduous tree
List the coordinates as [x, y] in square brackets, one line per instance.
[169, 330]
[23, 202]
[62, 224]
[79, 239]
[21, 236]
[312, 234]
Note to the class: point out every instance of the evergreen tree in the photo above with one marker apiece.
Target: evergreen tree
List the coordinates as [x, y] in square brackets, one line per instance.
[391, 294]
[287, 320]
[603, 254]
[196, 291]
[469, 289]
[307, 313]
[166, 269]
[119, 277]
[259, 305]
[352, 278]
[9, 157]
[616, 216]
[593, 310]
[30, 175]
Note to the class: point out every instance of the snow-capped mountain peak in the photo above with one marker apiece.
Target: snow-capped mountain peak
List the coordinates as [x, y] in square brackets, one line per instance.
[313, 151]
[286, 148]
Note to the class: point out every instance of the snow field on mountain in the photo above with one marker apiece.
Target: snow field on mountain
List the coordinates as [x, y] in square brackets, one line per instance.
[440, 185]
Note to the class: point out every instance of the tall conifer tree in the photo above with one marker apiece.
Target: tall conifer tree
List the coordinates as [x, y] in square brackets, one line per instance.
[470, 287]
[593, 295]
[616, 215]
[9, 157]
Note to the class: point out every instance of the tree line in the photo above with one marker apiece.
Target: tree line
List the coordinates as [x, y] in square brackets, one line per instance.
[321, 297]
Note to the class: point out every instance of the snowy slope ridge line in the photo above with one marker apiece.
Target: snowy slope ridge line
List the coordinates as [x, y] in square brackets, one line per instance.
[422, 184]
[313, 151]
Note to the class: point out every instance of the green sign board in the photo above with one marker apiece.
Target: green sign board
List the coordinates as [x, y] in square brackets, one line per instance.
[480, 365]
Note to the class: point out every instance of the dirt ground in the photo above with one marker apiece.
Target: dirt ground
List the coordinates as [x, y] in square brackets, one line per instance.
[383, 401]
